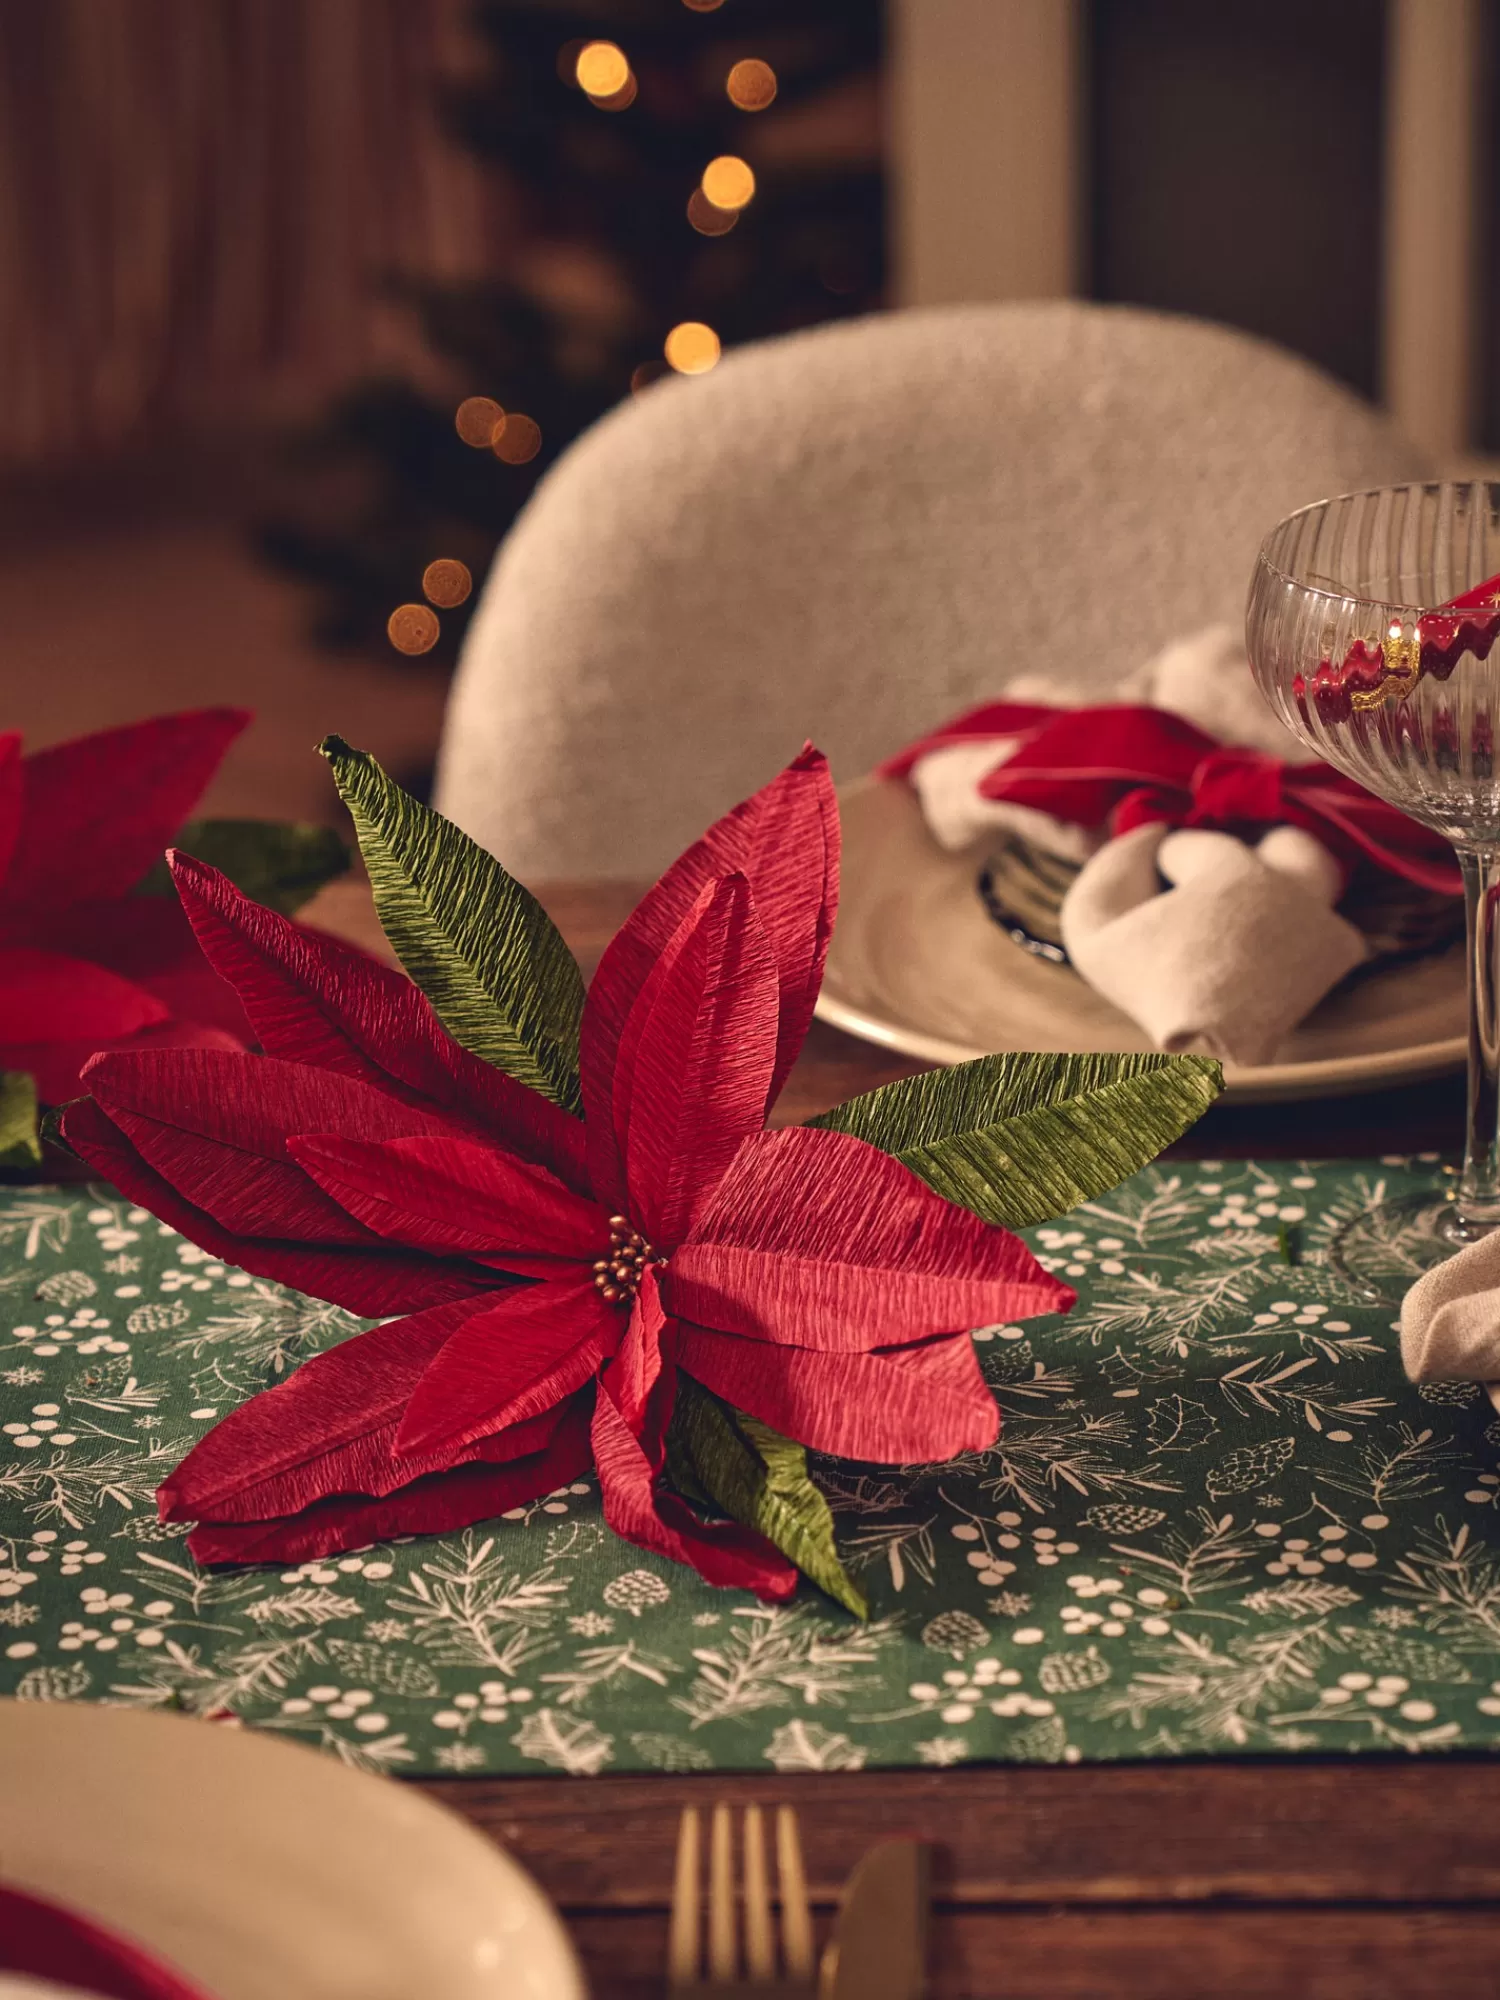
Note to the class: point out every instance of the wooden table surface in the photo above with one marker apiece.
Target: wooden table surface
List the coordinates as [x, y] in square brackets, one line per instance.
[1364, 1879]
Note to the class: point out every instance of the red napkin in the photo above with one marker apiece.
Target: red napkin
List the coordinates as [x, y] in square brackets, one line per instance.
[46, 1941]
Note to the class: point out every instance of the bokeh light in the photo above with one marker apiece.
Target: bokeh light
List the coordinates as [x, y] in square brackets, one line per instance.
[520, 440]
[728, 181]
[476, 419]
[621, 99]
[708, 220]
[751, 85]
[601, 69]
[446, 582]
[691, 348]
[704, 6]
[412, 628]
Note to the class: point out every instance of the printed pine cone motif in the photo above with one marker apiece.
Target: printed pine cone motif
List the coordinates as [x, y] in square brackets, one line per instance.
[954, 1632]
[1072, 1673]
[1118, 1517]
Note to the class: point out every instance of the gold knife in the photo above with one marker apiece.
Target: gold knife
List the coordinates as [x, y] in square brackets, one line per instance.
[878, 1950]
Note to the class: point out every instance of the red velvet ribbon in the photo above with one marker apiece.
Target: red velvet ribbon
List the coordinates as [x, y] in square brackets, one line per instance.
[1130, 766]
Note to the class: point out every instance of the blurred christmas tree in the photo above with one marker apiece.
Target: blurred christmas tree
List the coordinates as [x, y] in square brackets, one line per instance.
[614, 187]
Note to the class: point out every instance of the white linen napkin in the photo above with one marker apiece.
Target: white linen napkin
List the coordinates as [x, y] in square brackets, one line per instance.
[1244, 941]
[1450, 1320]
[1231, 956]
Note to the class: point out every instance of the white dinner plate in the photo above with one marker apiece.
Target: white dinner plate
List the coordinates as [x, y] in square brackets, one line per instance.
[263, 1870]
[918, 965]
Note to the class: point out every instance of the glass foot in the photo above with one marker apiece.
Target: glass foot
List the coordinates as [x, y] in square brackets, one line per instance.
[1382, 1252]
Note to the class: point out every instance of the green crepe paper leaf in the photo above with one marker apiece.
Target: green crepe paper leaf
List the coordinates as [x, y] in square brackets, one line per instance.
[481, 947]
[20, 1145]
[755, 1476]
[1019, 1139]
[275, 863]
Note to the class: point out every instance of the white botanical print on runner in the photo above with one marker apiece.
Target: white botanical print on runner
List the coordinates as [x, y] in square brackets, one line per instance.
[1218, 1520]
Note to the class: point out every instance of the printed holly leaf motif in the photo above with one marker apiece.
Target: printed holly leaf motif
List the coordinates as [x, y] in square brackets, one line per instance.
[20, 1140]
[1251, 1466]
[808, 1746]
[282, 865]
[1173, 1423]
[758, 1477]
[482, 948]
[567, 1743]
[1021, 1138]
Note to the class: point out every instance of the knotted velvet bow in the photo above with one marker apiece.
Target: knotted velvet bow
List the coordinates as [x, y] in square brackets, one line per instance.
[1130, 766]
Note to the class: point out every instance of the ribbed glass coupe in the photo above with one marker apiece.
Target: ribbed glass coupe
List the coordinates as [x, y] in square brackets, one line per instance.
[1372, 626]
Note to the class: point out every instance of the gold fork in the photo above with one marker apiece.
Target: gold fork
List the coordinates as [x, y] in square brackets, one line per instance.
[729, 1970]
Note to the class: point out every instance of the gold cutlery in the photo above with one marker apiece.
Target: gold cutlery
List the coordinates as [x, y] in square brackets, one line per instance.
[878, 1950]
[741, 1957]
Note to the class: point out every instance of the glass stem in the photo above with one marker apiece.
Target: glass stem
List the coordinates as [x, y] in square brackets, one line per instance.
[1479, 1190]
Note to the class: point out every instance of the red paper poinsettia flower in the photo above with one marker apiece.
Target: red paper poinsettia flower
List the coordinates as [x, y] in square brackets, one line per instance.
[558, 1276]
[84, 963]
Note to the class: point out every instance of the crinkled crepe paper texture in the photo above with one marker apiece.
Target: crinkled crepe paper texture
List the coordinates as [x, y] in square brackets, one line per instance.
[92, 954]
[1021, 1138]
[810, 1280]
[480, 946]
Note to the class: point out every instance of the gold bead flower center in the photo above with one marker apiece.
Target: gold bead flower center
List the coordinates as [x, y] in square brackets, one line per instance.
[617, 1276]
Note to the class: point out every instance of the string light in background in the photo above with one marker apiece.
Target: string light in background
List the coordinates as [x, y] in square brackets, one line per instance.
[517, 440]
[691, 348]
[708, 220]
[751, 85]
[446, 583]
[477, 421]
[412, 628]
[728, 182]
[602, 71]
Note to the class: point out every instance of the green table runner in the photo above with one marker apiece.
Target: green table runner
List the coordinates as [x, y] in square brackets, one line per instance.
[1218, 1520]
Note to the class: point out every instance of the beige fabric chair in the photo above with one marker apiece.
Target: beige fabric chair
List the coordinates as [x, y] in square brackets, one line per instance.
[851, 533]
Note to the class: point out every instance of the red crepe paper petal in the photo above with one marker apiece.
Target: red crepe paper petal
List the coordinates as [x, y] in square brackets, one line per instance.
[241, 1190]
[456, 1197]
[841, 1247]
[637, 1368]
[785, 841]
[722, 1552]
[97, 812]
[525, 1353]
[434, 1505]
[147, 939]
[904, 1406]
[11, 796]
[372, 1283]
[57, 1067]
[219, 1124]
[332, 1401]
[317, 1002]
[45, 997]
[698, 1049]
[371, 1468]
